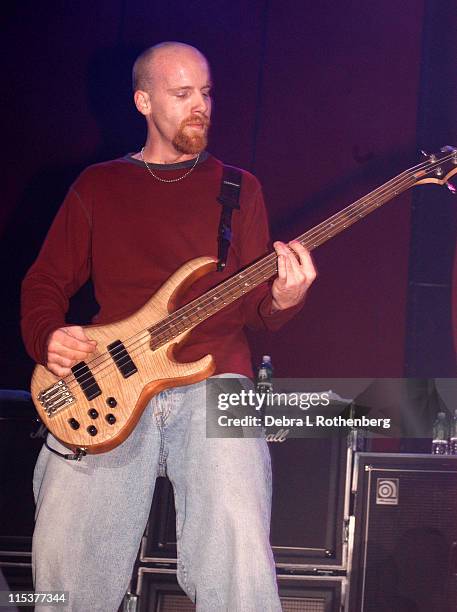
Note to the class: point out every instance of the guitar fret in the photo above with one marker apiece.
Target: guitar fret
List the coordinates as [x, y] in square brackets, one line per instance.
[244, 281]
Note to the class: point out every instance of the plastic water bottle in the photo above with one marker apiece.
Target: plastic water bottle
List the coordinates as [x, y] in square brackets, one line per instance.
[453, 438]
[440, 445]
[264, 385]
[265, 376]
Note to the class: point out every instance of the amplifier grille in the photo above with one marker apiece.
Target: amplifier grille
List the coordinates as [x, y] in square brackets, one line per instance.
[305, 604]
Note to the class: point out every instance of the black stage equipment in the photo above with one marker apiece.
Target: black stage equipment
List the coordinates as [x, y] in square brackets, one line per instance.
[405, 541]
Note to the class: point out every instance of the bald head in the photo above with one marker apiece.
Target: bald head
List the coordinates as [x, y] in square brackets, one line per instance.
[152, 63]
[172, 90]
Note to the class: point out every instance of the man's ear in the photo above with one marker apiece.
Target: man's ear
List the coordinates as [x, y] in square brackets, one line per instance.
[142, 101]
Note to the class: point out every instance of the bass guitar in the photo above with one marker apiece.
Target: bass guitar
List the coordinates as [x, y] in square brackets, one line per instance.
[96, 407]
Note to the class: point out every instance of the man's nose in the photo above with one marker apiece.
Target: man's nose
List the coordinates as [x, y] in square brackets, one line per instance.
[201, 103]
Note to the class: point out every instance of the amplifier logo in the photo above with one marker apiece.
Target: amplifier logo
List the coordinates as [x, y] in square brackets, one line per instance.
[40, 432]
[387, 491]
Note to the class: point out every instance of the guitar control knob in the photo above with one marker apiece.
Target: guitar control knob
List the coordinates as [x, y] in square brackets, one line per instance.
[93, 413]
[110, 418]
[92, 430]
[74, 423]
[111, 402]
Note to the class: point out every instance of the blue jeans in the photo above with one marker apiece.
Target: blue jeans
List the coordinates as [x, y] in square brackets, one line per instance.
[91, 514]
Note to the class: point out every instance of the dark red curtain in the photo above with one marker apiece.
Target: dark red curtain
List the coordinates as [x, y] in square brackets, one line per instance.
[321, 100]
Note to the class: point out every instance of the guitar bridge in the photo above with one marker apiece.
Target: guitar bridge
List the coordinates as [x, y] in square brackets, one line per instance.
[55, 398]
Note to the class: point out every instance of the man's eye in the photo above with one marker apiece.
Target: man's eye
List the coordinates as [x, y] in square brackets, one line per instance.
[182, 94]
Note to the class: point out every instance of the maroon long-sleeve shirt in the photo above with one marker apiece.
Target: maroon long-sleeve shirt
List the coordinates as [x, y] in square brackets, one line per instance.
[130, 232]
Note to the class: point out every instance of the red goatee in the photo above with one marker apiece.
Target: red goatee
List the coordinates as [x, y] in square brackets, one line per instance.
[192, 141]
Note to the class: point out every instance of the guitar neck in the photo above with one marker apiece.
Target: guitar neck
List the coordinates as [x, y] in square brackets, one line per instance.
[227, 292]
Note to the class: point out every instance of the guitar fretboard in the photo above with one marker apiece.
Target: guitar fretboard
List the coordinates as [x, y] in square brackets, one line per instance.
[230, 290]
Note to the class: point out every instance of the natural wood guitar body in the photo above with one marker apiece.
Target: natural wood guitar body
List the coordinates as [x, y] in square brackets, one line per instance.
[156, 370]
[97, 406]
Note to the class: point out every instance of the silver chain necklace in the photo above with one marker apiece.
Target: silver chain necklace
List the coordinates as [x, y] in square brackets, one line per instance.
[162, 180]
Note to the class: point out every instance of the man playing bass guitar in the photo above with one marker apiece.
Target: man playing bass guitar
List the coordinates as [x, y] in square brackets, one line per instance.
[129, 224]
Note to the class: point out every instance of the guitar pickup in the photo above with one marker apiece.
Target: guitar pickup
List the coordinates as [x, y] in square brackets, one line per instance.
[86, 380]
[122, 359]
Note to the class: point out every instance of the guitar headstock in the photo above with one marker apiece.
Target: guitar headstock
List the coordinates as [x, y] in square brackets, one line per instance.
[438, 168]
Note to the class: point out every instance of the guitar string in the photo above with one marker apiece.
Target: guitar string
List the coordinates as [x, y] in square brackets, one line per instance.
[167, 322]
[363, 205]
[307, 235]
[303, 238]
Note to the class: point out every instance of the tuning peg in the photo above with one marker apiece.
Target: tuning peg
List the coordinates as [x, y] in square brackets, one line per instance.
[451, 188]
[431, 157]
[448, 149]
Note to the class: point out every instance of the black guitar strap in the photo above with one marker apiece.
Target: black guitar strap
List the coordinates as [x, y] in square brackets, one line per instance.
[229, 198]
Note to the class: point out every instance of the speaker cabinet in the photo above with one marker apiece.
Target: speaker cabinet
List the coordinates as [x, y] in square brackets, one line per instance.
[310, 487]
[405, 539]
[159, 592]
[21, 440]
